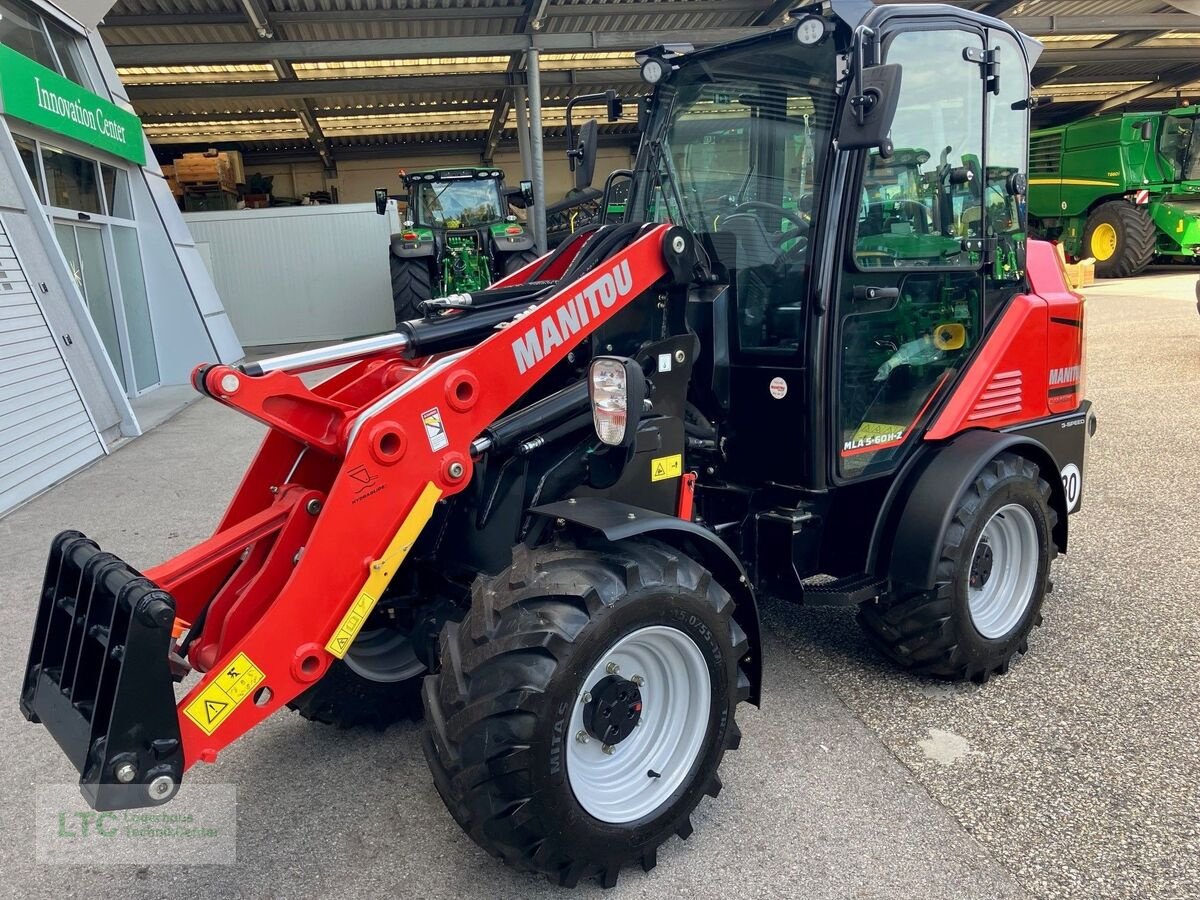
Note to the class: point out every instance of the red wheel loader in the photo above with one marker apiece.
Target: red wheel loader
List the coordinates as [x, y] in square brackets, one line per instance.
[544, 513]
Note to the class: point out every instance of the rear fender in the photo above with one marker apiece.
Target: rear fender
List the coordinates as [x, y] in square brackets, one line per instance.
[620, 522]
[911, 527]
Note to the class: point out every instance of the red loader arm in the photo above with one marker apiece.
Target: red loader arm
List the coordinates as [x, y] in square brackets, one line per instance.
[348, 475]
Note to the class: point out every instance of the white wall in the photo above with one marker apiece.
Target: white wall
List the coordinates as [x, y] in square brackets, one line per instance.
[305, 273]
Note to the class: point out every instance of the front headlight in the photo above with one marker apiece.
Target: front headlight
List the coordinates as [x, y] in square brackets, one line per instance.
[608, 385]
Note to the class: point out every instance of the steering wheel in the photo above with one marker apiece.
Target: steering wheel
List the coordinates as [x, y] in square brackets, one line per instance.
[800, 231]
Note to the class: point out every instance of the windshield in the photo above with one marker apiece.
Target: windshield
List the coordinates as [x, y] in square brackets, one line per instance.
[735, 153]
[1180, 147]
[457, 204]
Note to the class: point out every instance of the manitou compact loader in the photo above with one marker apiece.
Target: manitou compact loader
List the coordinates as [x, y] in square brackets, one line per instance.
[546, 512]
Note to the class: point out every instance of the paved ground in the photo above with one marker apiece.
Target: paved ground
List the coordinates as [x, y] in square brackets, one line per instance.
[1073, 776]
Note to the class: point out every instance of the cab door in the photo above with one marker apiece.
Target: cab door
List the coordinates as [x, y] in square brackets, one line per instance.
[910, 305]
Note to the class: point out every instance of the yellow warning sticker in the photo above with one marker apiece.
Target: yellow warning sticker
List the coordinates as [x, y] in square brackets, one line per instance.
[384, 568]
[224, 694]
[665, 467]
[352, 622]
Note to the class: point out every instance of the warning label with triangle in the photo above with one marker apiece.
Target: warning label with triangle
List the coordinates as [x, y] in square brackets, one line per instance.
[217, 701]
[214, 708]
[664, 467]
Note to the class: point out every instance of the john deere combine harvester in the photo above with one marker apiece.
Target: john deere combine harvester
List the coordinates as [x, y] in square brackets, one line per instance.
[1121, 189]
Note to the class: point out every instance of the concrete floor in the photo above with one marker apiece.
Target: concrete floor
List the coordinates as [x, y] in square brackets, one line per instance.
[1073, 776]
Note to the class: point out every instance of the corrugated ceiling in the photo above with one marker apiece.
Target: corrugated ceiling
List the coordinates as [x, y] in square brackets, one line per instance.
[221, 102]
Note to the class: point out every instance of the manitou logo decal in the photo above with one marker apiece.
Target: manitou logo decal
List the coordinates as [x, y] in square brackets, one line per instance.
[1067, 375]
[556, 328]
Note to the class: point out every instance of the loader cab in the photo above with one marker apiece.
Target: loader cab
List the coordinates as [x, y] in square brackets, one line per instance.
[857, 281]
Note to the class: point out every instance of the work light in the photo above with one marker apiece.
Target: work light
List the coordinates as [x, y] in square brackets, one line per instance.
[616, 386]
[653, 70]
[811, 30]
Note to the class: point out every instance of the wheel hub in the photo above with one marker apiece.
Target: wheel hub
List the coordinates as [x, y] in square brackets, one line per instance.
[614, 710]
[981, 565]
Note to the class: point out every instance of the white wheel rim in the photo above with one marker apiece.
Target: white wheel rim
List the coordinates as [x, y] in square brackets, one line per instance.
[676, 694]
[998, 604]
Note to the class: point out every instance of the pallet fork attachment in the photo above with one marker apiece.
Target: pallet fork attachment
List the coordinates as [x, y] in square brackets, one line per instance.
[347, 476]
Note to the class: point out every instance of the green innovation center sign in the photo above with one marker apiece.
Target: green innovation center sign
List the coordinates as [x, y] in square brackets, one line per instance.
[42, 97]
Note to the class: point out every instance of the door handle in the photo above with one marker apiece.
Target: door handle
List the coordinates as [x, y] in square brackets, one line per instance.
[873, 292]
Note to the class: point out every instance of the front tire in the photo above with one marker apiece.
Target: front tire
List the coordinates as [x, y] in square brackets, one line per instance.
[377, 684]
[517, 724]
[520, 259]
[993, 575]
[1120, 237]
[412, 285]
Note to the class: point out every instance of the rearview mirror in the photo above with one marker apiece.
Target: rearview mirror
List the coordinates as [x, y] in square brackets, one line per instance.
[1146, 130]
[527, 192]
[583, 157]
[868, 117]
[381, 200]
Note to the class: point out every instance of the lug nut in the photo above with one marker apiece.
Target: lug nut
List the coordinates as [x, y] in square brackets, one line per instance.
[608, 749]
[582, 737]
[126, 772]
[586, 698]
[638, 680]
[612, 668]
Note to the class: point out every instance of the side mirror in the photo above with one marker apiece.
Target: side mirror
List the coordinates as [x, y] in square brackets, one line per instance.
[869, 115]
[381, 201]
[1146, 130]
[527, 192]
[583, 157]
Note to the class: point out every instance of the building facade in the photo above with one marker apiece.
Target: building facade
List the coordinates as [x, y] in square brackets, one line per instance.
[104, 298]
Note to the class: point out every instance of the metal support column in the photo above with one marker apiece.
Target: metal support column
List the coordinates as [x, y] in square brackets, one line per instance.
[519, 104]
[535, 147]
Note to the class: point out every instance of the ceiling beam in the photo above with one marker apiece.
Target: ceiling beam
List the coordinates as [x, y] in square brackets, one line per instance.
[317, 88]
[390, 48]
[1066, 56]
[1168, 80]
[1036, 25]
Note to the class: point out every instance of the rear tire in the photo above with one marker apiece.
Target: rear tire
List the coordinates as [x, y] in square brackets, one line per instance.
[1120, 237]
[377, 684]
[520, 259]
[504, 711]
[1001, 534]
[412, 285]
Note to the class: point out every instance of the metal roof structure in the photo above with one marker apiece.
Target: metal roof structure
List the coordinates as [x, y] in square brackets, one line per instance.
[287, 80]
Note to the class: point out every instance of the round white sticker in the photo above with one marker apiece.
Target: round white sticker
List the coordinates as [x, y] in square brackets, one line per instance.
[778, 388]
[1072, 482]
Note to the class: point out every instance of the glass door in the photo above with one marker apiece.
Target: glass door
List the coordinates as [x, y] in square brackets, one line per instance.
[83, 247]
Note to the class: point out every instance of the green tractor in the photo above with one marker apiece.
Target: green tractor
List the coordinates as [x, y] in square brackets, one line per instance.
[457, 236]
[1121, 189]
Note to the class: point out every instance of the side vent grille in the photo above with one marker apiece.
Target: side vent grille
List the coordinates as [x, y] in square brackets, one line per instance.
[1002, 396]
[1045, 153]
